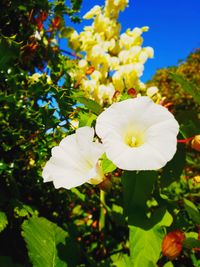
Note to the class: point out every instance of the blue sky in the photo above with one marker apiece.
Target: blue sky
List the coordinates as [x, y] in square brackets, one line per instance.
[174, 28]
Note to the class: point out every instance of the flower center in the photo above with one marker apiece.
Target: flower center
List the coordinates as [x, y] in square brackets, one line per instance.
[134, 139]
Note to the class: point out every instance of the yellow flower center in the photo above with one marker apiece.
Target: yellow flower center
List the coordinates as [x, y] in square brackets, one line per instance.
[134, 139]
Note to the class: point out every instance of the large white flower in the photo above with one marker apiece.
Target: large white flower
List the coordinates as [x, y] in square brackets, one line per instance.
[138, 134]
[75, 160]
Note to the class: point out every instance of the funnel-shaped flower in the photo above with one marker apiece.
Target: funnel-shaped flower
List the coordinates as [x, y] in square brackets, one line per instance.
[138, 134]
[75, 160]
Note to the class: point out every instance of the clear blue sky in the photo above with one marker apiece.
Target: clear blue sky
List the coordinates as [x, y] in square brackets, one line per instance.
[174, 28]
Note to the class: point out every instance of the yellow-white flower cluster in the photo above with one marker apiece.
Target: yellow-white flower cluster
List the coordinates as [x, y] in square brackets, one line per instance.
[117, 59]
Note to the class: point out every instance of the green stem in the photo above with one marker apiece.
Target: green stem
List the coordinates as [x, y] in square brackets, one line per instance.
[102, 210]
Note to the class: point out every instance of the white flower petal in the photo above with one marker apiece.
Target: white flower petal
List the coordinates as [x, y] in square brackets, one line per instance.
[138, 134]
[74, 161]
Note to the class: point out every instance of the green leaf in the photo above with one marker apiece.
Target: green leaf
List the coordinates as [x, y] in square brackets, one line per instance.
[187, 86]
[90, 104]
[42, 239]
[189, 122]
[78, 194]
[192, 211]
[137, 189]
[168, 264]
[191, 235]
[191, 243]
[22, 210]
[121, 260]
[167, 220]
[86, 119]
[107, 165]
[145, 246]
[66, 31]
[3, 221]
[9, 50]
[173, 170]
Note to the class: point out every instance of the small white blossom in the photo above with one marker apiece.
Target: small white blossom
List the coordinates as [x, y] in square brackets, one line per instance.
[75, 161]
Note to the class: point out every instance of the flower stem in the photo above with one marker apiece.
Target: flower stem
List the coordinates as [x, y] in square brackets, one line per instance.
[102, 210]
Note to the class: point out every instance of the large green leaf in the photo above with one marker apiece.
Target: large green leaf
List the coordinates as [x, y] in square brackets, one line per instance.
[3, 220]
[187, 86]
[145, 246]
[43, 239]
[137, 189]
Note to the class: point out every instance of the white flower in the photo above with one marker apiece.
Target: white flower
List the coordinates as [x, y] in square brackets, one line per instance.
[138, 134]
[75, 160]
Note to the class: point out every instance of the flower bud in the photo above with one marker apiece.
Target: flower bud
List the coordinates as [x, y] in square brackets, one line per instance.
[105, 185]
[132, 92]
[90, 70]
[172, 244]
[196, 143]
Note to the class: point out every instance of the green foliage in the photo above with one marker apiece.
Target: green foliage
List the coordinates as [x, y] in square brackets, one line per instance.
[145, 246]
[90, 104]
[9, 50]
[187, 86]
[38, 106]
[169, 264]
[107, 165]
[173, 169]
[3, 220]
[121, 260]
[192, 211]
[191, 243]
[42, 238]
[138, 188]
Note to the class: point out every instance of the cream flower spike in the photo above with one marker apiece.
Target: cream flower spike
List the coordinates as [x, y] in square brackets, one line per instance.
[96, 10]
[75, 161]
[138, 134]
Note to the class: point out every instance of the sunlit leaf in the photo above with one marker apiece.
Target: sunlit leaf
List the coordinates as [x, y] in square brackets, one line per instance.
[42, 239]
[121, 260]
[168, 264]
[107, 165]
[3, 221]
[145, 246]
